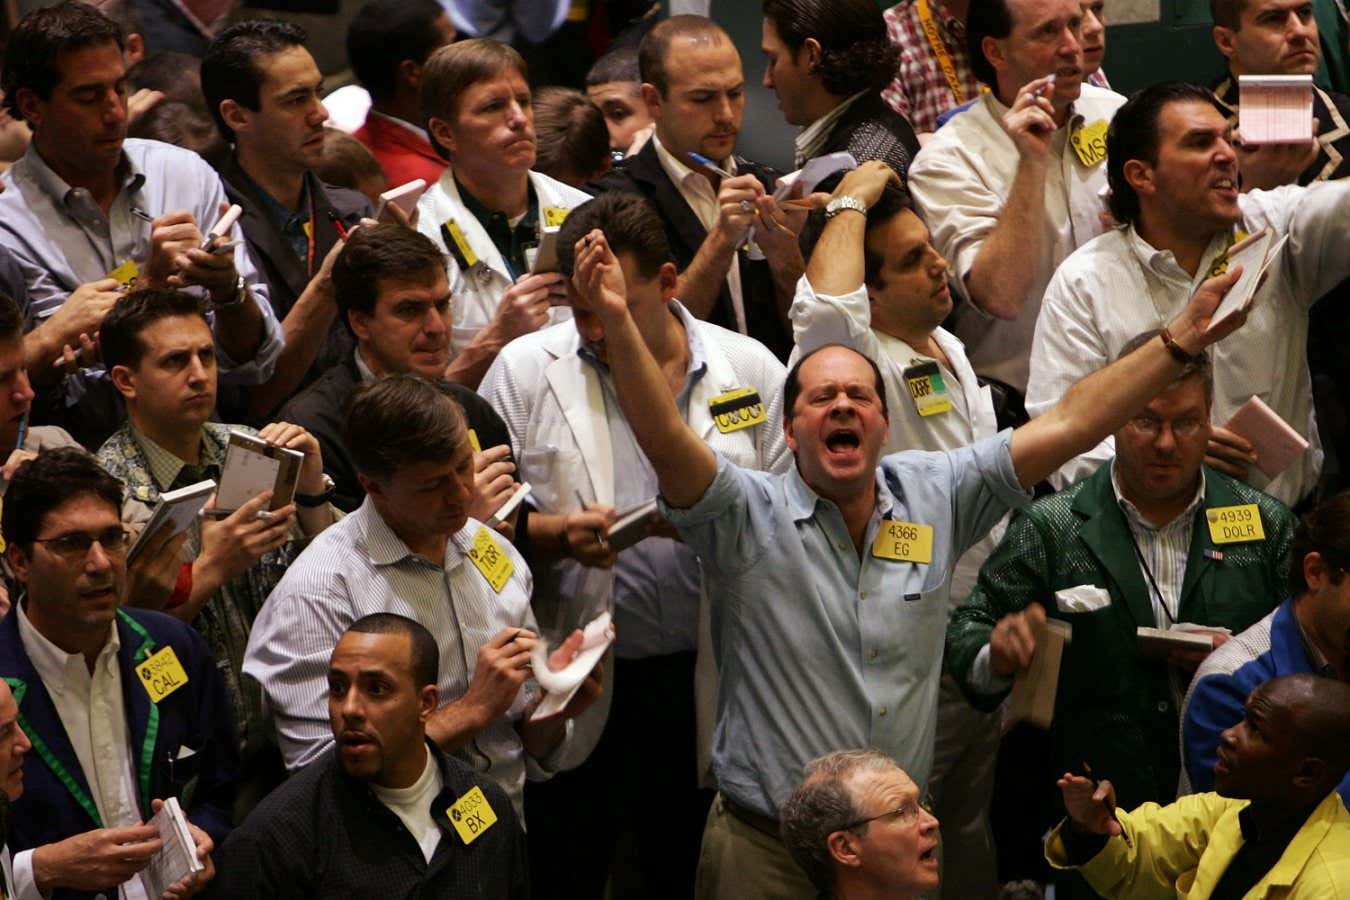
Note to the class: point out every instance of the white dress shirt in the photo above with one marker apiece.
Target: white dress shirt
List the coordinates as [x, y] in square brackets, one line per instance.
[699, 193]
[93, 715]
[1118, 286]
[961, 180]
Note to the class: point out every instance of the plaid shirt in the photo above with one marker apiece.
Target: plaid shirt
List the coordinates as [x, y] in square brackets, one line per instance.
[920, 91]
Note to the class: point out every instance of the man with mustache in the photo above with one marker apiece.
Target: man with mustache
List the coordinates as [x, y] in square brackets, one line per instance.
[383, 811]
[123, 707]
[694, 88]
[1174, 177]
[262, 88]
[1275, 826]
[391, 291]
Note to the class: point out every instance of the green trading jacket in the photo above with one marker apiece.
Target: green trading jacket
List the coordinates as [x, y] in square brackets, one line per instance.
[1114, 709]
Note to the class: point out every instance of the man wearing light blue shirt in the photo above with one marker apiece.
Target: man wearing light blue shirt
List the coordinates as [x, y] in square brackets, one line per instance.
[830, 582]
[88, 213]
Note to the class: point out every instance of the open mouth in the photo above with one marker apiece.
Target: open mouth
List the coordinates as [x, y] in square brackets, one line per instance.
[352, 740]
[929, 855]
[842, 440]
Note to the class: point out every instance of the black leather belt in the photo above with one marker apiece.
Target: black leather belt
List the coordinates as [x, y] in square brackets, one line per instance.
[753, 819]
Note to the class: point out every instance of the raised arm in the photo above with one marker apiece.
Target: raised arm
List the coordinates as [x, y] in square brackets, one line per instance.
[1103, 401]
[685, 466]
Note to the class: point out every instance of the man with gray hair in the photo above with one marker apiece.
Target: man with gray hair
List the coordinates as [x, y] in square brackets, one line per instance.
[858, 828]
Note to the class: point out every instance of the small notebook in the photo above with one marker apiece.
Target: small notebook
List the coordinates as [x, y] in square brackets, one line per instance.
[631, 525]
[252, 466]
[178, 858]
[1278, 446]
[1036, 687]
[1275, 109]
[1159, 642]
[178, 507]
[1255, 254]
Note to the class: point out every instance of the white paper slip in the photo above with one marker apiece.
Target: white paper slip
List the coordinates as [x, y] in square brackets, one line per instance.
[1275, 109]
[405, 197]
[803, 181]
[1255, 254]
[561, 685]
[178, 858]
[178, 508]
[545, 256]
[1278, 446]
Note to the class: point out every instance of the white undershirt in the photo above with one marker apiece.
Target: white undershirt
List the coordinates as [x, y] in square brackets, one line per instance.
[413, 805]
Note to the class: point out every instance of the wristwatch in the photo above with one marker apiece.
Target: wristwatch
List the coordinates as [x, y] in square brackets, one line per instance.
[310, 501]
[240, 295]
[839, 204]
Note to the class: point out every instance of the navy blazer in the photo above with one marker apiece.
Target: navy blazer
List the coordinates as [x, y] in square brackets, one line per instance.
[193, 753]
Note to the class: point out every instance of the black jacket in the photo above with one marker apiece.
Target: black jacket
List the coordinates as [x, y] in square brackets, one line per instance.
[869, 129]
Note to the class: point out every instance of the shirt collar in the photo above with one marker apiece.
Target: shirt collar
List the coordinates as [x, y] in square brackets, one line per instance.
[675, 168]
[1164, 262]
[1316, 658]
[130, 178]
[802, 500]
[1135, 517]
[405, 125]
[811, 138]
[367, 374]
[277, 211]
[385, 548]
[53, 664]
[164, 466]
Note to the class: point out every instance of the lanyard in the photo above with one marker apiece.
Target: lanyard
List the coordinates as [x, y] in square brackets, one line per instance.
[944, 59]
[309, 233]
[62, 773]
[1152, 582]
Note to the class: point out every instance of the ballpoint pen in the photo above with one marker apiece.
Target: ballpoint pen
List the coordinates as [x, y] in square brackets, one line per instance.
[599, 538]
[1087, 773]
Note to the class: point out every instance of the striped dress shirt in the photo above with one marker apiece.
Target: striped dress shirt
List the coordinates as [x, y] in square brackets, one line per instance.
[1164, 550]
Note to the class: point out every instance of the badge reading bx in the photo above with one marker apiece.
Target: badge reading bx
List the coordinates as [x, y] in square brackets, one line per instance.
[472, 815]
[162, 674]
[904, 541]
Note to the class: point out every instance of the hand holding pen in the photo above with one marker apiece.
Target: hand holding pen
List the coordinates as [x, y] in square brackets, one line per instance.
[583, 534]
[1091, 804]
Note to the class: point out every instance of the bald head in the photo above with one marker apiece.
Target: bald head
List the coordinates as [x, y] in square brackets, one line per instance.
[1320, 716]
[655, 48]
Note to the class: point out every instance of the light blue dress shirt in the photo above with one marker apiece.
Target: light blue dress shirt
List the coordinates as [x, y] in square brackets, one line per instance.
[506, 20]
[821, 650]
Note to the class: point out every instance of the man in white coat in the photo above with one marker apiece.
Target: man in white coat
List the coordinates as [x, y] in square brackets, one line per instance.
[555, 391]
[489, 211]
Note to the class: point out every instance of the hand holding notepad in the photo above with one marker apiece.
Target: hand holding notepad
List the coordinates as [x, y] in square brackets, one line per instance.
[1254, 254]
[1278, 446]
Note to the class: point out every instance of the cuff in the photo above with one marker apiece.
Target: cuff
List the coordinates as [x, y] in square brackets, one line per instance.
[981, 677]
[543, 769]
[25, 884]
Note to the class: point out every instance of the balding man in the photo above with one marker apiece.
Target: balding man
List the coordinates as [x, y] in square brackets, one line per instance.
[1275, 826]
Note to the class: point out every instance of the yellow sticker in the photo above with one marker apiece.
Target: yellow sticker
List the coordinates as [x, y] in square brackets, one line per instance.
[471, 815]
[473, 441]
[1235, 524]
[554, 216]
[930, 394]
[126, 274]
[1089, 143]
[308, 228]
[490, 560]
[1220, 264]
[2, 537]
[737, 409]
[162, 674]
[457, 235]
[904, 541]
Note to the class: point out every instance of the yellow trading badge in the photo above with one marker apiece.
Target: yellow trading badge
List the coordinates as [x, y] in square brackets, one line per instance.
[1089, 143]
[554, 216]
[472, 815]
[488, 558]
[162, 674]
[126, 274]
[1235, 524]
[904, 541]
[737, 409]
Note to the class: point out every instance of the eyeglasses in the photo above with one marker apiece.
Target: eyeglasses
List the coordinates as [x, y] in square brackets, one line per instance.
[905, 815]
[76, 544]
[1182, 428]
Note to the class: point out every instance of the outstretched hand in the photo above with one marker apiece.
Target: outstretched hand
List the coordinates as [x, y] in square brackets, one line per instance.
[1091, 807]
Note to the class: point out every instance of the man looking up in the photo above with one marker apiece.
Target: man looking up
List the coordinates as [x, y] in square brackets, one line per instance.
[410, 549]
[388, 43]
[1308, 633]
[878, 286]
[1174, 184]
[793, 572]
[391, 291]
[1011, 186]
[109, 743]
[262, 88]
[158, 350]
[85, 211]
[542, 383]
[859, 828]
[1274, 827]
[382, 812]
[694, 89]
[827, 62]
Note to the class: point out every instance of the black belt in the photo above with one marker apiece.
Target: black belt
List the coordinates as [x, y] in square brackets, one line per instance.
[753, 819]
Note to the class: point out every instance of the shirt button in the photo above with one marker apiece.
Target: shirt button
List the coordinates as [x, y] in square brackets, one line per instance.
[841, 548]
[883, 712]
[873, 654]
[862, 595]
[1162, 706]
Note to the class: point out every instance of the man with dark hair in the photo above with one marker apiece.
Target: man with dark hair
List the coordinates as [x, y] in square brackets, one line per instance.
[1012, 185]
[573, 140]
[614, 85]
[388, 43]
[694, 89]
[859, 828]
[124, 707]
[87, 211]
[158, 350]
[382, 811]
[799, 606]
[1308, 633]
[391, 291]
[1134, 545]
[827, 60]
[412, 548]
[541, 384]
[1174, 179]
[19, 440]
[1274, 827]
[262, 88]
[874, 283]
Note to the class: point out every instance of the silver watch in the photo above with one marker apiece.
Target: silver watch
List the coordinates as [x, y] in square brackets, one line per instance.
[839, 204]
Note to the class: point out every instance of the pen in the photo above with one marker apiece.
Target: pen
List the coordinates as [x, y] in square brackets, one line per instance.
[337, 223]
[142, 214]
[599, 538]
[23, 432]
[1087, 773]
[709, 167]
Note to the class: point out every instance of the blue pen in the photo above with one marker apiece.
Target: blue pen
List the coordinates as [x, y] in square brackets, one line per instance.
[23, 431]
[708, 164]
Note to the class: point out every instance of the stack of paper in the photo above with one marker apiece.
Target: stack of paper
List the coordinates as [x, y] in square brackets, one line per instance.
[178, 857]
[1255, 254]
[1277, 444]
[1275, 109]
[1035, 688]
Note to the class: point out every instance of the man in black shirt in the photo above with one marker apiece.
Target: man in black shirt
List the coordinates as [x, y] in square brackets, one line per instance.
[391, 289]
[384, 812]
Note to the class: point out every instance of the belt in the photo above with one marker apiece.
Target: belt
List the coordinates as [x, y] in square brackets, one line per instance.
[756, 821]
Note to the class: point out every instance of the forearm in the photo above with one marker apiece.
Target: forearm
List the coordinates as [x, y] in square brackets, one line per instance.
[1006, 266]
[836, 265]
[541, 739]
[314, 519]
[548, 538]
[455, 724]
[206, 580]
[41, 347]
[470, 364]
[701, 282]
[304, 330]
[239, 329]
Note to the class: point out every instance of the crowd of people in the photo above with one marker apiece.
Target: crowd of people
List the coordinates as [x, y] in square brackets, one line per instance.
[901, 532]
